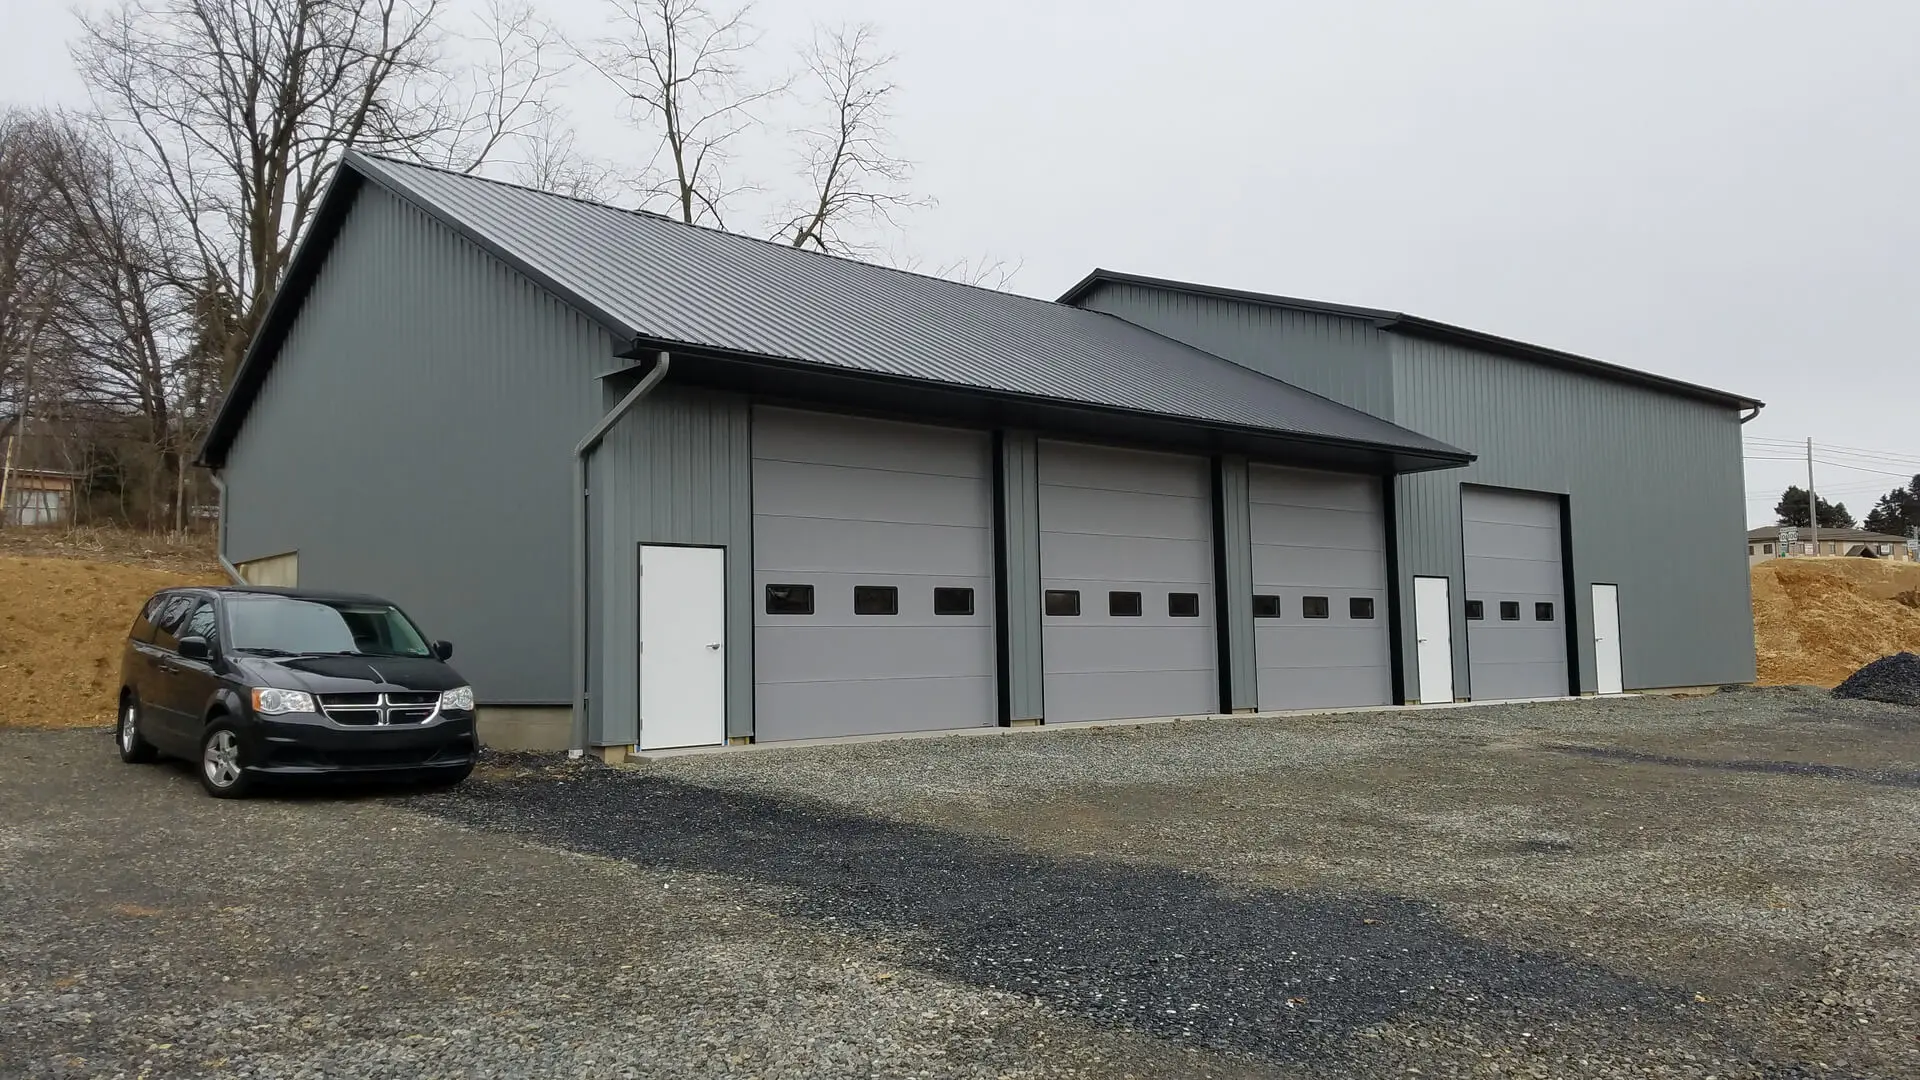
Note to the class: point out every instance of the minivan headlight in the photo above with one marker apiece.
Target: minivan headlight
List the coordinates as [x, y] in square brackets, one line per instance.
[271, 701]
[459, 699]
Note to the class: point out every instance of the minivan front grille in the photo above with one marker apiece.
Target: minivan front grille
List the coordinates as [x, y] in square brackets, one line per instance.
[405, 707]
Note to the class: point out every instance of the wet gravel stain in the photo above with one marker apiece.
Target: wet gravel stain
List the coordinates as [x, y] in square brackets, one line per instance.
[1882, 777]
[1286, 976]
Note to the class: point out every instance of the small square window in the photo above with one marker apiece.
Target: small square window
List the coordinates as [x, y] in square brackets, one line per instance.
[1476, 610]
[1766, 549]
[789, 599]
[953, 601]
[1123, 603]
[1360, 607]
[1509, 611]
[876, 600]
[1313, 607]
[1266, 607]
[1543, 612]
[1183, 605]
[1063, 602]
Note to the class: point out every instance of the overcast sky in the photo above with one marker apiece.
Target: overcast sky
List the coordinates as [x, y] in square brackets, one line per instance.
[1723, 191]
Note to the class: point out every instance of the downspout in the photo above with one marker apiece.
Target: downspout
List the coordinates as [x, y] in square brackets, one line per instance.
[582, 545]
[220, 535]
[1751, 415]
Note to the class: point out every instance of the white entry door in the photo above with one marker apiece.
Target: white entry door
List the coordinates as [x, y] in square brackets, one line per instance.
[1433, 639]
[683, 644]
[1606, 639]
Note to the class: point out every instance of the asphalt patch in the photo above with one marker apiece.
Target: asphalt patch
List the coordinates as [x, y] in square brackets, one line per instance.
[1284, 975]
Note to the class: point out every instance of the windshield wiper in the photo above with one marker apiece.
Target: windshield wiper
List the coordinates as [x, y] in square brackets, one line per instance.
[263, 650]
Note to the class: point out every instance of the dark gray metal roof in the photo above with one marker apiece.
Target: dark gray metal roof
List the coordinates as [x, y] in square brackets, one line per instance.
[653, 279]
[1401, 322]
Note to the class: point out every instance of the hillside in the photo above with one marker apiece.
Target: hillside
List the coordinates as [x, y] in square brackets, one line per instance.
[61, 630]
[1817, 620]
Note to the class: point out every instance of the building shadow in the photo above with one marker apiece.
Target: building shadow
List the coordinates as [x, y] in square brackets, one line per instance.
[1282, 975]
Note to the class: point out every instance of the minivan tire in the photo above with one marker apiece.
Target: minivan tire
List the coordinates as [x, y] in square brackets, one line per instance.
[222, 764]
[134, 747]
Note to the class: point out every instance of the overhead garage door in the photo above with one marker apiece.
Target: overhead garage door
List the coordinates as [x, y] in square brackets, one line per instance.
[1321, 634]
[1126, 562]
[873, 576]
[1516, 633]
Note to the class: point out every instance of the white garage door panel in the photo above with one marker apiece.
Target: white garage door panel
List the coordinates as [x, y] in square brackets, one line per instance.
[1126, 521]
[1122, 648]
[1318, 571]
[820, 545]
[788, 488]
[1323, 535]
[829, 653]
[871, 708]
[1512, 554]
[841, 502]
[1132, 513]
[1128, 695]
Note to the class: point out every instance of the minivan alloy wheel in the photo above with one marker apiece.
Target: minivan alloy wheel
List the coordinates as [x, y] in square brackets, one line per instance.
[129, 728]
[222, 759]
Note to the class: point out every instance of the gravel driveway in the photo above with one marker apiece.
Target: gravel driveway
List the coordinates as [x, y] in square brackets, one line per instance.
[1724, 886]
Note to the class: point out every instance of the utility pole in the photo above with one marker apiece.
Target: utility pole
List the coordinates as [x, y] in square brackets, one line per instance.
[1813, 503]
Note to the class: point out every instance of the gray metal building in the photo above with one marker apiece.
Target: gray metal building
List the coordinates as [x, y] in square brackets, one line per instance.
[669, 486]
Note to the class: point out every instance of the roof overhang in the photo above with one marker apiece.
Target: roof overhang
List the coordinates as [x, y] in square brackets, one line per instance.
[800, 382]
[1415, 326]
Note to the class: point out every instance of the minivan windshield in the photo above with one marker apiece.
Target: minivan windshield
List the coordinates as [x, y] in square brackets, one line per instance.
[285, 626]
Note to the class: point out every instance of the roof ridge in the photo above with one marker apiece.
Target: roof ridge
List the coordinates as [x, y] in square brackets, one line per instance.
[671, 220]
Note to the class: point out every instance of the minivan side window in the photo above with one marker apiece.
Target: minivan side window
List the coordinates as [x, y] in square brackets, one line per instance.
[204, 623]
[166, 628]
[143, 623]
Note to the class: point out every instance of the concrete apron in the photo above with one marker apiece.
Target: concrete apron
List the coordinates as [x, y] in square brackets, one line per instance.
[614, 755]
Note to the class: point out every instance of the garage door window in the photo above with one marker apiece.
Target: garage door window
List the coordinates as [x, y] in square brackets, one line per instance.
[1509, 611]
[1313, 607]
[953, 601]
[876, 600]
[1183, 605]
[1543, 612]
[789, 599]
[1360, 607]
[1476, 610]
[1063, 601]
[1125, 604]
[1266, 607]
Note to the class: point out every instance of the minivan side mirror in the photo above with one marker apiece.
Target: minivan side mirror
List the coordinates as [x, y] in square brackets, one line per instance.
[443, 650]
[195, 648]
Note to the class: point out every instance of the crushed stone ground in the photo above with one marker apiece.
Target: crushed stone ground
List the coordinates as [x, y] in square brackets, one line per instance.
[1894, 679]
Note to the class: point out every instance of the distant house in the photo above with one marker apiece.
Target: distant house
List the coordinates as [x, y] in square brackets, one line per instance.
[1764, 543]
[38, 482]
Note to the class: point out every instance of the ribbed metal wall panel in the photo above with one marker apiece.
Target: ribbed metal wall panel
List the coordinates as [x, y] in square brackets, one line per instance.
[1233, 541]
[675, 470]
[1018, 559]
[1341, 358]
[415, 441]
[1632, 463]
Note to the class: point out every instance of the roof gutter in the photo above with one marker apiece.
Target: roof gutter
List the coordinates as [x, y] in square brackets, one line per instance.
[582, 546]
[1756, 412]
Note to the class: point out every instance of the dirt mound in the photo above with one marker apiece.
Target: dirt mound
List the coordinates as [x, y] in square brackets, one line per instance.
[62, 626]
[1820, 620]
[1894, 679]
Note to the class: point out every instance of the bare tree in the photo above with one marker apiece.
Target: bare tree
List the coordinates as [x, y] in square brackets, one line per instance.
[681, 67]
[238, 110]
[854, 179]
[28, 257]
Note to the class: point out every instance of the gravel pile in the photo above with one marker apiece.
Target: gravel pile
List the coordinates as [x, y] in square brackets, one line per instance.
[1893, 679]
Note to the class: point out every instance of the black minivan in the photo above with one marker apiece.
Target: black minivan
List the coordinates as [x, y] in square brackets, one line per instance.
[256, 683]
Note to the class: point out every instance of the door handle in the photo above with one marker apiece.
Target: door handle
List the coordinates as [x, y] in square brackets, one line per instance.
[713, 644]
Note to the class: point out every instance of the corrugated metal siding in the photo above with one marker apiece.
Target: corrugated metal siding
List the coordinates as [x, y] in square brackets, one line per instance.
[1633, 463]
[666, 280]
[675, 470]
[1023, 677]
[1341, 358]
[1233, 540]
[416, 442]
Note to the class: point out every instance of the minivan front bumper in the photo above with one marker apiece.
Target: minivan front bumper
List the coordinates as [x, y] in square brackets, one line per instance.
[305, 744]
